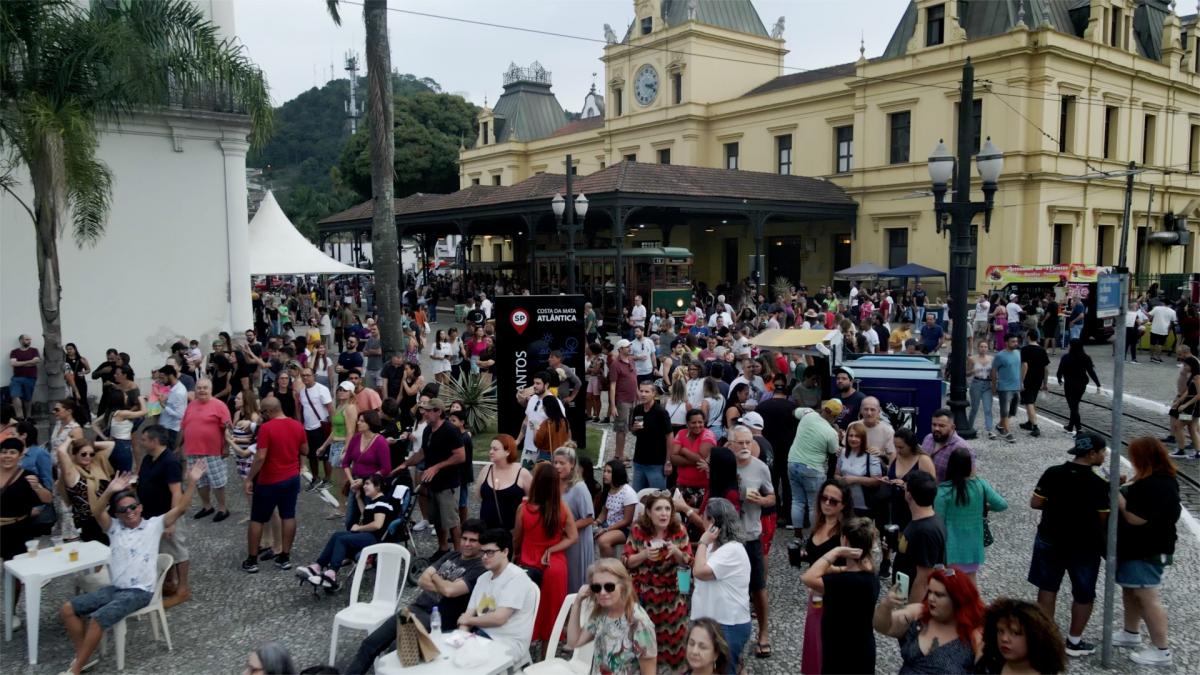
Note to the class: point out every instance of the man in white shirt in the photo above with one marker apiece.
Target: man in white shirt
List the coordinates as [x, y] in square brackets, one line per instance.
[535, 414]
[637, 314]
[751, 379]
[1013, 309]
[724, 306]
[133, 565]
[643, 351]
[1134, 320]
[983, 316]
[1161, 318]
[176, 403]
[854, 294]
[316, 407]
[719, 318]
[502, 604]
[868, 331]
[485, 305]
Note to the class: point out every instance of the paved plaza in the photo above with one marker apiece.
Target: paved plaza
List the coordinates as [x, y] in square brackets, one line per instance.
[231, 612]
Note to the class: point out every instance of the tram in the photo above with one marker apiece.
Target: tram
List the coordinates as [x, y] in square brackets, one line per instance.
[661, 275]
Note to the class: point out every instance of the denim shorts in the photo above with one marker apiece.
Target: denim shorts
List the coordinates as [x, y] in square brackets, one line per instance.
[736, 637]
[1139, 574]
[22, 387]
[109, 605]
[1050, 562]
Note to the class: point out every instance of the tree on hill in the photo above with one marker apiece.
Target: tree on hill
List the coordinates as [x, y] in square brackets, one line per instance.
[429, 130]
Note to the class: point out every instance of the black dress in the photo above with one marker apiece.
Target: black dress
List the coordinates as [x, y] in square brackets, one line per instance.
[17, 500]
[498, 508]
[76, 365]
[847, 637]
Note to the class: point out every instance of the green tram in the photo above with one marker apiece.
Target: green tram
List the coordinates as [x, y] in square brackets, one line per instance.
[661, 275]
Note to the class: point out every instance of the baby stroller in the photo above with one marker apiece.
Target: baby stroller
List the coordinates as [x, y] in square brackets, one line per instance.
[404, 500]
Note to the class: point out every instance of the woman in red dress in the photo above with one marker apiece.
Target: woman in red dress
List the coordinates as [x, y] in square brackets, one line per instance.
[543, 533]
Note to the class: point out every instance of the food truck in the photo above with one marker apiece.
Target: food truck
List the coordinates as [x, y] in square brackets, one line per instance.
[1066, 282]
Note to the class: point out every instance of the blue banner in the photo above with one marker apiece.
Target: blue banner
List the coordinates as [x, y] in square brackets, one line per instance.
[1108, 295]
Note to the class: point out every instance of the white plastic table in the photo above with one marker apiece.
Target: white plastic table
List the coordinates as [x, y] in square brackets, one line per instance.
[498, 661]
[35, 571]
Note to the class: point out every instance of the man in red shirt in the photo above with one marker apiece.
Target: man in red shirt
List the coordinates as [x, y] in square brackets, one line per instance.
[274, 481]
[622, 392]
[202, 439]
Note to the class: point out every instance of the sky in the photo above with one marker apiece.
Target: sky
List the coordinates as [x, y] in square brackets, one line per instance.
[295, 41]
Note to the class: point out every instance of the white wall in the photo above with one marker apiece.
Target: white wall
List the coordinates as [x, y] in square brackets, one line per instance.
[160, 272]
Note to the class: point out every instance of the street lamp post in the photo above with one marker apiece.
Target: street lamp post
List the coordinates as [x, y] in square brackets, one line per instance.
[962, 211]
[579, 206]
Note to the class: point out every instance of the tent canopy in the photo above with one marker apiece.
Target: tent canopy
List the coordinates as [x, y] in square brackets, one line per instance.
[277, 247]
[866, 270]
[789, 338]
[912, 270]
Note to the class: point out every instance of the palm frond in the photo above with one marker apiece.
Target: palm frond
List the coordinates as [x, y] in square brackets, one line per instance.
[89, 181]
[332, 7]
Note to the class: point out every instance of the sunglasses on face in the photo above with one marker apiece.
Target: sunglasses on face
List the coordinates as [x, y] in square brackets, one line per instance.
[608, 587]
[832, 501]
[126, 509]
[85, 454]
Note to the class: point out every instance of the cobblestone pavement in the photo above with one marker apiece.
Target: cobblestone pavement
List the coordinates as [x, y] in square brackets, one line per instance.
[231, 612]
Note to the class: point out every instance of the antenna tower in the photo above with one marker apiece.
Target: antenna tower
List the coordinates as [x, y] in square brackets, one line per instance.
[353, 111]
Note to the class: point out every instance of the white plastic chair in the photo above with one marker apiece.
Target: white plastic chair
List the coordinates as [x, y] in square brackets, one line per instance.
[158, 614]
[581, 658]
[639, 508]
[391, 573]
[526, 660]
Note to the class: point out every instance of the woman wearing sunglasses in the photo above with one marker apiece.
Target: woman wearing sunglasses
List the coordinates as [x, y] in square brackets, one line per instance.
[826, 536]
[657, 547]
[621, 629]
[84, 473]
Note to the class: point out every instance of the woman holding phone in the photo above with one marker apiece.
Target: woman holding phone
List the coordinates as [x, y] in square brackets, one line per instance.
[657, 548]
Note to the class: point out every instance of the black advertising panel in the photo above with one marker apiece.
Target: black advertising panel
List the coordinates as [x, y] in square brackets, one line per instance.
[528, 328]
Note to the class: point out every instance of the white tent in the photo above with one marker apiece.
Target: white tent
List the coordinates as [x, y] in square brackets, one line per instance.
[276, 247]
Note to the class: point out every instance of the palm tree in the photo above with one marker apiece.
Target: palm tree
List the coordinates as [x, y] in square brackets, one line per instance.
[64, 70]
[385, 244]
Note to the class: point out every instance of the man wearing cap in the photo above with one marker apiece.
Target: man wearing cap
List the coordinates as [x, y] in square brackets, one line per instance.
[763, 450]
[622, 393]
[816, 442]
[813, 320]
[850, 397]
[1071, 536]
[442, 450]
[1014, 309]
[757, 494]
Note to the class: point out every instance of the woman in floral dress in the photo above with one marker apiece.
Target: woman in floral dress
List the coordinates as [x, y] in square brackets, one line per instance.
[622, 631]
[658, 545]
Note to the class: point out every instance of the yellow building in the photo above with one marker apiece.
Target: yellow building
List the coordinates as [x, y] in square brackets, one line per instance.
[1064, 88]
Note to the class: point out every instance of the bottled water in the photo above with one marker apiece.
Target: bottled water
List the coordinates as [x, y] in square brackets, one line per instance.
[435, 621]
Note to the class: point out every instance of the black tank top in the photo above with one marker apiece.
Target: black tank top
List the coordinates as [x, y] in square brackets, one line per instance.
[498, 508]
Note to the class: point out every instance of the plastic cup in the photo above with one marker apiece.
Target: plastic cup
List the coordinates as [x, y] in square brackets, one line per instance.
[73, 553]
[31, 547]
[58, 543]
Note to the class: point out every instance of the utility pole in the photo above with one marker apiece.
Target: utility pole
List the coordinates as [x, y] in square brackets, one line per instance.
[1114, 444]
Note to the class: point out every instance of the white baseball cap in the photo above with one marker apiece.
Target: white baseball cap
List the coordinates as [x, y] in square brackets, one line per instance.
[623, 344]
[752, 420]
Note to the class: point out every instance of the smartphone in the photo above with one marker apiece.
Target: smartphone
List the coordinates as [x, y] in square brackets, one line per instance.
[903, 581]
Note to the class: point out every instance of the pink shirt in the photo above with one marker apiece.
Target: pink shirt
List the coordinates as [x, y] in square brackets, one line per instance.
[203, 427]
[376, 458]
[367, 399]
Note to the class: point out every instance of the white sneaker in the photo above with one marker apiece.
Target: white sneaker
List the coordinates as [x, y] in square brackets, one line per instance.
[1123, 638]
[421, 526]
[1152, 656]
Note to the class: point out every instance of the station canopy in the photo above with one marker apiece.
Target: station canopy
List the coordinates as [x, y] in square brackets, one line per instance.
[278, 248]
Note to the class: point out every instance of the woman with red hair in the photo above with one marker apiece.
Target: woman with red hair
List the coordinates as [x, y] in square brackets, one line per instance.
[943, 633]
[1149, 507]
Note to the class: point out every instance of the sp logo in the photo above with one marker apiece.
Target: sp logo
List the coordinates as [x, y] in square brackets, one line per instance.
[519, 319]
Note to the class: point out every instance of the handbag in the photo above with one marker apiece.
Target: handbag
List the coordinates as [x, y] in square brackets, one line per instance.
[413, 644]
[988, 538]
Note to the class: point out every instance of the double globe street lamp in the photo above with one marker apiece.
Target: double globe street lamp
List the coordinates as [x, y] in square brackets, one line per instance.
[961, 211]
[559, 205]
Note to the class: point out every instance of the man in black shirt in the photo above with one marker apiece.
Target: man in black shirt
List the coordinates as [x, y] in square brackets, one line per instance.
[442, 451]
[160, 489]
[393, 377]
[1074, 505]
[1035, 368]
[779, 428]
[923, 541]
[651, 427]
[850, 397]
[447, 585]
[349, 360]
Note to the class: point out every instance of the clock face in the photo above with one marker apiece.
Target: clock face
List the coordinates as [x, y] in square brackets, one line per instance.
[645, 85]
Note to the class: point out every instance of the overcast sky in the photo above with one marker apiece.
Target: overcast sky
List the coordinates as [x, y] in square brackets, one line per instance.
[294, 41]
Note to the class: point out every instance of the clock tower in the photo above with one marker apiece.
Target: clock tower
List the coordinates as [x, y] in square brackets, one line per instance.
[680, 52]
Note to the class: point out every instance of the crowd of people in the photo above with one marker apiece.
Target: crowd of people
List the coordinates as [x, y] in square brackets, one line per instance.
[667, 552]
